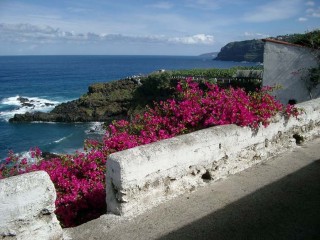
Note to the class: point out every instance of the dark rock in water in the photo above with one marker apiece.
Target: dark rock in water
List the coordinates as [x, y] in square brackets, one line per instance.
[49, 155]
[26, 104]
[49, 104]
[23, 100]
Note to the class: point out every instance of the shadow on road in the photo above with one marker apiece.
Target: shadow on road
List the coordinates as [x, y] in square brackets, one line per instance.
[286, 209]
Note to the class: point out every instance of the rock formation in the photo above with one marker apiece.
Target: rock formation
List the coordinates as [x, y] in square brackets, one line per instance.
[250, 51]
[103, 102]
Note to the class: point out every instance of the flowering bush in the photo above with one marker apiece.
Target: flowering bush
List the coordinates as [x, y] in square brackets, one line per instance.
[79, 179]
[194, 109]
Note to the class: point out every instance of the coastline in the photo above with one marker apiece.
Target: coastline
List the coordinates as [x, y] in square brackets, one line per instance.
[42, 77]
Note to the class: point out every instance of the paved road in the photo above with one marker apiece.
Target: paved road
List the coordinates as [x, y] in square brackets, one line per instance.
[278, 199]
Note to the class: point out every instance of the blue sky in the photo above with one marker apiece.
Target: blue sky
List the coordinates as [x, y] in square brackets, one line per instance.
[182, 27]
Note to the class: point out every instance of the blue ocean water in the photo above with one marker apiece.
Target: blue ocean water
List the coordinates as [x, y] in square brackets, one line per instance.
[49, 80]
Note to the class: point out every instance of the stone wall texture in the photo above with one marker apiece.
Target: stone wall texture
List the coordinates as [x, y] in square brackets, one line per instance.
[27, 204]
[144, 176]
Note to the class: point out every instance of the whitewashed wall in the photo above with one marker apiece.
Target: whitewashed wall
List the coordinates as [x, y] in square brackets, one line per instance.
[142, 177]
[27, 204]
[282, 63]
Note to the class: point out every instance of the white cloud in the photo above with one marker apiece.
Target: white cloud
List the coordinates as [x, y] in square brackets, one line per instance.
[309, 10]
[143, 18]
[313, 12]
[195, 39]
[310, 3]
[27, 33]
[302, 19]
[21, 33]
[274, 10]
[256, 35]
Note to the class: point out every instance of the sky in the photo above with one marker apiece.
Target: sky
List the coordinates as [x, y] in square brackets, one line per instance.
[142, 27]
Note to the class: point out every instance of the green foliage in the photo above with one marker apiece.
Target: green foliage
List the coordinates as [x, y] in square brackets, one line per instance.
[120, 95]
[314, 75]
[213, 72]
[206, 73]
[249, 50]
[249, 85]
[156, 87]
[312, 79]
[161, 86]
[309, 39]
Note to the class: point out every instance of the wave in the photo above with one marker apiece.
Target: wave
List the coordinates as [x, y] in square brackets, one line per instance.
[63, 138]
[96, 128]
[22, 155]
[60, 140]
[22, 104]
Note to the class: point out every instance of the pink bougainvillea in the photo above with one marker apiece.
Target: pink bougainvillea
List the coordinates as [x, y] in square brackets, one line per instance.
[79, 179]
[194, 109]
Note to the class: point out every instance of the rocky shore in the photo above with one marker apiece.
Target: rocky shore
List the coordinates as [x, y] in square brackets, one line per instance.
[25, 102]
[103, 102]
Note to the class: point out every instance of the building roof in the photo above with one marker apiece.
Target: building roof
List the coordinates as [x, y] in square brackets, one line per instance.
[282, 42]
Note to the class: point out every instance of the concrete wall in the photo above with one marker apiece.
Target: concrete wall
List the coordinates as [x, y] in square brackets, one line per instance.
[27, 204]
[142, 177]
[282, 63]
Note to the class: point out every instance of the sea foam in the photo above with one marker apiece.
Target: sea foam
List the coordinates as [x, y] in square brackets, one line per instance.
[22, 104]
[96, 128]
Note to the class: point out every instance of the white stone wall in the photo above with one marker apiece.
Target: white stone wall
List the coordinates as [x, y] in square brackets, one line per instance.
[27, 204]
[142, 177]
[283, 65]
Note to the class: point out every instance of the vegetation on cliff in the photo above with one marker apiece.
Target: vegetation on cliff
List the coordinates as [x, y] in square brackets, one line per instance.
[249, 50]
[103, 102]
[252, 50]
[308, 39]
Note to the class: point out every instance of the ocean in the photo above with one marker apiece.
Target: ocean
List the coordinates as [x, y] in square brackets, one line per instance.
[49, 80]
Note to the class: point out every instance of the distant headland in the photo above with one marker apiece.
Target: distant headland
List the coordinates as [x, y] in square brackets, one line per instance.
[249, 50]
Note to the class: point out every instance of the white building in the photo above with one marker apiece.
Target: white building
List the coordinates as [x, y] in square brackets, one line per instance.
[286, 64]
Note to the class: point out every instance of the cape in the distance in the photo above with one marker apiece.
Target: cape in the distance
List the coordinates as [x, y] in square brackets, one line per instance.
[252, 50]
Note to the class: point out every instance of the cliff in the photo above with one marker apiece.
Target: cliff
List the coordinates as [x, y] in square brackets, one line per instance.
[103, 102]
[249, 50]
[252, 50]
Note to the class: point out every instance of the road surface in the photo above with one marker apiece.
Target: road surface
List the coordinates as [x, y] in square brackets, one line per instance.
[278, 199]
